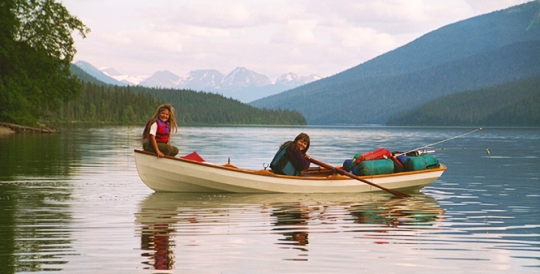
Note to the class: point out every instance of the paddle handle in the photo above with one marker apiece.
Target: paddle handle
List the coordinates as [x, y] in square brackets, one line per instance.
[345, 173]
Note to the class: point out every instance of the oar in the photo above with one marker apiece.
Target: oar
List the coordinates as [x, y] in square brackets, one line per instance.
[343, 172]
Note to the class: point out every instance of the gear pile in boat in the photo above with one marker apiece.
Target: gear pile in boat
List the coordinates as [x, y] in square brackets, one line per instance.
[382, 161]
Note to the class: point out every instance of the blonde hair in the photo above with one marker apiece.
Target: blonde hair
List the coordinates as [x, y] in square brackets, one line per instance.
[155, 117]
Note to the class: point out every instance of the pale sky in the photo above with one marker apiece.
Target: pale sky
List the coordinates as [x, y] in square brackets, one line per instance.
[271, 37]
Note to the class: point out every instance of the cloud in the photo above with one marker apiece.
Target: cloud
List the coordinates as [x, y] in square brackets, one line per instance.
[270, 37]
[295, 32]
[210, 14]
[390, 16]
[356, 37]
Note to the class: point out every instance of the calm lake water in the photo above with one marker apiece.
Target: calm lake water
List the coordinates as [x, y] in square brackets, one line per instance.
[73, 202]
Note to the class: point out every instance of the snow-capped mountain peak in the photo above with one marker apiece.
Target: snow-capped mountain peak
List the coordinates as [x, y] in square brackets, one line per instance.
[241, 83]
[242, 77]
[124, 78]
[294, 80]
[201, 79]
[110, 71]
[162, 79]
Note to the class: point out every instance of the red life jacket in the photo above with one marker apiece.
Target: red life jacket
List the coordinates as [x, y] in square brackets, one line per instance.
[163, 130]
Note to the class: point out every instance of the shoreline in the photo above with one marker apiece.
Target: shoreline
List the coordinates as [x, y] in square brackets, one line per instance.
[7, 128]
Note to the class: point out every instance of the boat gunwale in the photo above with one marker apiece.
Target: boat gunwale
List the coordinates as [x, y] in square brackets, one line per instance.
[268, 173]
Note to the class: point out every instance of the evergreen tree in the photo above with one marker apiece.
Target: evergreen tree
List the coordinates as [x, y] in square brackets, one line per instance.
[36, 49]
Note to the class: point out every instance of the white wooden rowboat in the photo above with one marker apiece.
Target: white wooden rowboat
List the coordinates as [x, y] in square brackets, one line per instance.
[170, 174]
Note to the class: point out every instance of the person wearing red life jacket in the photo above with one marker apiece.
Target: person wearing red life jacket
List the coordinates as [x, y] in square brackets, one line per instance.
[157, 132]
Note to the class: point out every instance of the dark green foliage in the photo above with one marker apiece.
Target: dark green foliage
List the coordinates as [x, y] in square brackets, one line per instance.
[36, 49]
[46, 25]
[512, 104]
[109, 104]
[209, 108]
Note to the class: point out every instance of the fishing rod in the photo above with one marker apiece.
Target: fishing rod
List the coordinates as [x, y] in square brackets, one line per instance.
[423, 151]
[457, 148]
[464, 148]
[417, 150]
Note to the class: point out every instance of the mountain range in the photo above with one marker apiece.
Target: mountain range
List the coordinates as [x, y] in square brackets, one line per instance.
[241, 84]
[484, 51]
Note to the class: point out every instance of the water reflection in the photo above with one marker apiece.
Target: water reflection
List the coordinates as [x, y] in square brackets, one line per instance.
[165, 218]
[398, 212]
[68, 203]
[292, 221]
[156, 239]
[38, 177]
[33, 220]
[33, 227]
[40, 155]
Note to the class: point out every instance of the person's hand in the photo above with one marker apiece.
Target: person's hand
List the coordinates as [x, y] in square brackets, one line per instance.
[160, 154]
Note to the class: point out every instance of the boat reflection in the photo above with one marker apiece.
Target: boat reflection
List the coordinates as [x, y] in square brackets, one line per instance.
[398, 212]
[376, 220]
[165, 218]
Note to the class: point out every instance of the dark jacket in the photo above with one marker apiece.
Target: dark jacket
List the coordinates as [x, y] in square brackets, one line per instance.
[289, 162]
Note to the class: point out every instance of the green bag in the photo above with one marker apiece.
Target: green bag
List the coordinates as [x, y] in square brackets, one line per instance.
[374, 167]
[421, 162]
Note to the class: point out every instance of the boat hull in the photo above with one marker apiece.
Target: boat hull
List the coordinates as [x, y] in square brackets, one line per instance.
[171, 174]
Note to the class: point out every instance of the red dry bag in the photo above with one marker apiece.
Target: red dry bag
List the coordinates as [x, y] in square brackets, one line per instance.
[380, 153]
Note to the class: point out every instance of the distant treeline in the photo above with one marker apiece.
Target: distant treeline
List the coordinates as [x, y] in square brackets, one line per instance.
[107, 103]
[99, 102]
[512, 104]
[209, 108]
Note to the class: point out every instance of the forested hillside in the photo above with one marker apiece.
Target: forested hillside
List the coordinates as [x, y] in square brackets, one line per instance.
[99, 102]
[511, 104]
[480, 52]
[210, 108]
[106, 103]
[36, 49]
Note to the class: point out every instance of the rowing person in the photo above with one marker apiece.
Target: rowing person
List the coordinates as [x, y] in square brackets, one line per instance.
[291, 158]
